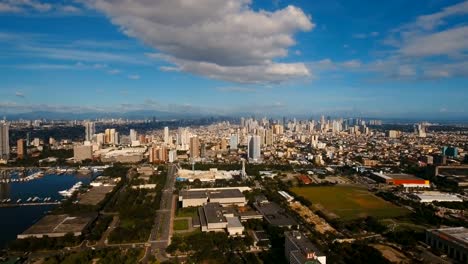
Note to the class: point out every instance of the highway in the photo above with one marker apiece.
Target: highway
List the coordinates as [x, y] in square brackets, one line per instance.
[160, 234]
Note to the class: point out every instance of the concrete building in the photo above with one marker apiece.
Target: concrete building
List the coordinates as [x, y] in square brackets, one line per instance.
[223, 197]
[233, 141]
[253, 147]
[158, 154]
[4, 141]
[216, 218]
[433, 196]
[58, 226]
[299, 249]
[405, 180]
[90, 130]
[21, 149]
[194, 147]
[452, 240]
[166, 136]
[82, 152]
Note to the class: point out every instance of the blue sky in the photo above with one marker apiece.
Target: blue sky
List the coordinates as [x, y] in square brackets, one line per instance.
[371, 58]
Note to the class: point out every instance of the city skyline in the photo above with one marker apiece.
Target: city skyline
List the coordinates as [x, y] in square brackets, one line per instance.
[393, 59]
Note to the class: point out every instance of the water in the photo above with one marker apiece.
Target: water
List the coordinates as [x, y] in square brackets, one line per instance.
[15, 220]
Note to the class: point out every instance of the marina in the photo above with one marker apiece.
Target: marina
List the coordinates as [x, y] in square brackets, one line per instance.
[22, 203]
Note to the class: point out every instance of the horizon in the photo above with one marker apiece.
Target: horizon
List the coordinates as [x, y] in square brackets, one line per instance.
[324, 57]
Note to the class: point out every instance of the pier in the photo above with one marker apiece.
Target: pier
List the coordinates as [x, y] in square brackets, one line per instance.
[6, 205]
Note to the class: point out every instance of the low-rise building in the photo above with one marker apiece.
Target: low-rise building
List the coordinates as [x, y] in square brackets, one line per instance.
[452, 240]
[214, 217]
[299, 249]
[222, 196]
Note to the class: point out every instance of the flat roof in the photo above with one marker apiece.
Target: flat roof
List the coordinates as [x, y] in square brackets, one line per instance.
[303, 243]
[396, 176]
[229, 193]
[187, 194]
[59, 224]
[214, 213]
[458, 235]
[233, 222]
[275, 215]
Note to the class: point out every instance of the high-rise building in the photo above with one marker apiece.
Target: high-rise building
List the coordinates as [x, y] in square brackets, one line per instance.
[166, 135]
[133, 135]
[21, 149]
[253, 147]
[111, 136]
[194, 147]
[4, 141]
[172, 155]
[90, 130]
[158, 154]
[233, 141]
[300, 250]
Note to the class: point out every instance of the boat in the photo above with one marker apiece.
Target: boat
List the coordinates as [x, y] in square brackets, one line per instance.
[29, 199]
[73, 189]
[18, 201]
[35, 199]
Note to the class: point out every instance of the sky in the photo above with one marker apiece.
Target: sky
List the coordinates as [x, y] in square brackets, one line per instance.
[370, 58]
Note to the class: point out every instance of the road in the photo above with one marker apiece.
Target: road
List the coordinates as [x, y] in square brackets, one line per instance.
[160, 234]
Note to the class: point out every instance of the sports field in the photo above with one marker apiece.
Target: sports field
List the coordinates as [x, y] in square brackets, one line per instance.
[348, 202]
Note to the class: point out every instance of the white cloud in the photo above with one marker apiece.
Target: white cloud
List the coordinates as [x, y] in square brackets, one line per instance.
[20, 94]
[113, 71]
[134, 77]
[214, 38]
[236, 89]
[366, 35]
[15, 6]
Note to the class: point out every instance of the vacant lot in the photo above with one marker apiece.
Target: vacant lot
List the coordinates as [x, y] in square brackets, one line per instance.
[348, 202]
[181, 224]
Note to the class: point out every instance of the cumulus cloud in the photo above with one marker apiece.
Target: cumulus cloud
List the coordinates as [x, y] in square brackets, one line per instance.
[20, 94]
[218, 39]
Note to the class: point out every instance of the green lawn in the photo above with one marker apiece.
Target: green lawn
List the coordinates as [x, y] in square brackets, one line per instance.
[181, 224]
[349, 202]
[187, 212]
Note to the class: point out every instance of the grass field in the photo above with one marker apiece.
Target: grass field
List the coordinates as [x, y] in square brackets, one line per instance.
[181, 224]
[187, 212]
[348, 202]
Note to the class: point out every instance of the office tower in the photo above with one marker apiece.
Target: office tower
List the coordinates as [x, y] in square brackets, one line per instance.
[194, 147]
[110, 136]
[233, 141]
[314, 141]
[133, 135]
[203, 150]
[90, 130]
[183, 138]
[269, 137]
[21, 149]
[300, 250]
[253, 147]
[166, 135]
[450, 152]
[242, 122]
[4, 141]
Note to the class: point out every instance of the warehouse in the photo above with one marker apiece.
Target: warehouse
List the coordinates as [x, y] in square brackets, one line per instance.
[452, 240]
[402, 179]
[222, 196]
[214, 217]
[429, 197]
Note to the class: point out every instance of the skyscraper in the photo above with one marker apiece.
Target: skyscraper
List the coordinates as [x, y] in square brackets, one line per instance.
[194, 147]
[166, 135]
[90, 130]
[233, 141]
[21, 149]
[4, 141]
[133, 135]
[254, 147]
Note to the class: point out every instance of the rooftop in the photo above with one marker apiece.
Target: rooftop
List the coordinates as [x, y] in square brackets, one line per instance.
[458, 235]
